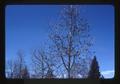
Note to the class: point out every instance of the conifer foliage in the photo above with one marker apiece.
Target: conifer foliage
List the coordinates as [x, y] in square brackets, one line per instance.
[94, 69]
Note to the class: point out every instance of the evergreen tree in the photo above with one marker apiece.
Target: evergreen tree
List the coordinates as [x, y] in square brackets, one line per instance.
[102, 77]
[94, 69]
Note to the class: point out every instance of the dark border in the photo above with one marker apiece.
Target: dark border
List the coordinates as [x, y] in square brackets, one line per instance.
[3, 4]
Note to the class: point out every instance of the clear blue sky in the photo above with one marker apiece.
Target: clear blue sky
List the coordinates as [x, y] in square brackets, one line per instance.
[27, 27]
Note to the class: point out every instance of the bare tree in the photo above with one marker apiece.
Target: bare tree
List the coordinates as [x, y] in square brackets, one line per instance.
[81, 69]
[38, 62]
[9, 69]
[70, 37]
[50, 73]
[17, 66]
[42, 62]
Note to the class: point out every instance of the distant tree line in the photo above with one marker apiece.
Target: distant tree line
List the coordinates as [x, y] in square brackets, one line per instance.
[69, 55]
[18, 69]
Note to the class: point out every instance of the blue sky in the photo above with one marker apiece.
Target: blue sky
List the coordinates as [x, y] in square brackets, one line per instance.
[27, 27]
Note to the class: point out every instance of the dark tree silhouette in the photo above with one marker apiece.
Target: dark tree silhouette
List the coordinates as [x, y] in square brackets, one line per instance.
[102, 77]
[94, 69]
